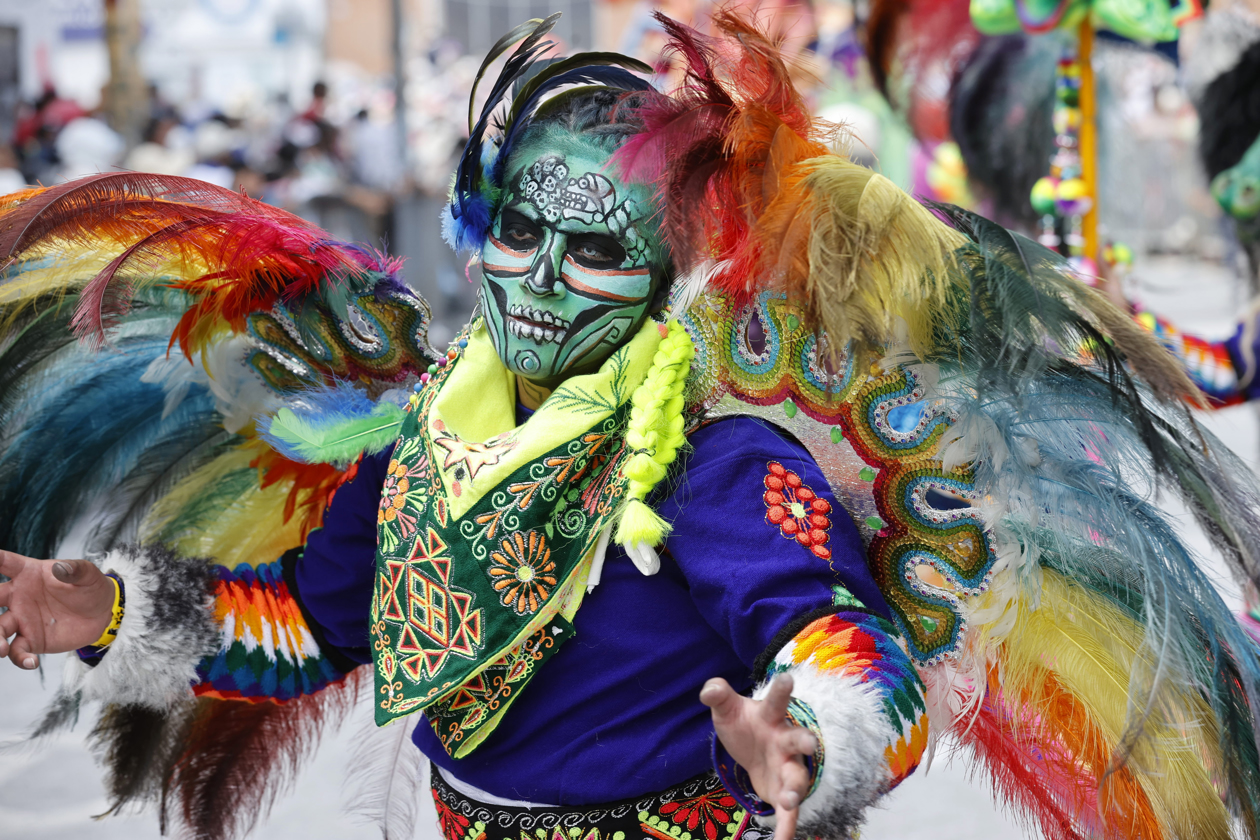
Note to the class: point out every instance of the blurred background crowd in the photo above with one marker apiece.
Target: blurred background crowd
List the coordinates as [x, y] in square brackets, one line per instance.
[352, 112]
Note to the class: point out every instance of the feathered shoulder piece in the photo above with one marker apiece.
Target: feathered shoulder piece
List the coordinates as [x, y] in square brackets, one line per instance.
[105, 238]
[523, 87]
[749, 183]
[747, 179]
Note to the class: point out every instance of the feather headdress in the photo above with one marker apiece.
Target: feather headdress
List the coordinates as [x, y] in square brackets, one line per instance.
[478, 180]
[746, 180]
[233, 254]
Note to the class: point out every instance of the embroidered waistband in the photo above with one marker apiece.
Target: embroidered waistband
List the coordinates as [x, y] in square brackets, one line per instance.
[698, 809]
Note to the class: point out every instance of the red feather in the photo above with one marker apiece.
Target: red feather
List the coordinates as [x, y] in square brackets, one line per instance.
[720, 147]
[313, 485]
[256, 254]
[88, 207]
[1047, 760]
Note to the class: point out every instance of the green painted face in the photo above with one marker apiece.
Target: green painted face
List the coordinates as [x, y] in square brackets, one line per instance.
[571, 266]
[1237, 189]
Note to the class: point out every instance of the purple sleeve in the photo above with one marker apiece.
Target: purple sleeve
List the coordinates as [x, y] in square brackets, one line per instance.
[1239, 355]
[333, 574]
[761, 539]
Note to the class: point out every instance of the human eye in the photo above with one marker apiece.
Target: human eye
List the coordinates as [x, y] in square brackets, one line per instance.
[597, 251]
[519, 232]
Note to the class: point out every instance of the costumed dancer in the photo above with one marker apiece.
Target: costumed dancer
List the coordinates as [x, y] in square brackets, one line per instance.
[1222, 76]
[735, 417]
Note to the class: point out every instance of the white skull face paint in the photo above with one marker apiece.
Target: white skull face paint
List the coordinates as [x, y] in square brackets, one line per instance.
[570, 266]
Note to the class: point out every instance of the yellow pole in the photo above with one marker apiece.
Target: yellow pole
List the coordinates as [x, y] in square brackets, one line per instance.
[1089, 138]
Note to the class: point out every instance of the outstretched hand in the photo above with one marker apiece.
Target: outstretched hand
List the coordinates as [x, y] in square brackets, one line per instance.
[759, 736]
[53, 606]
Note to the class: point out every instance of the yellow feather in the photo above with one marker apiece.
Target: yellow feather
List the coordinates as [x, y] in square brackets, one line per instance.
[233, 536]
[1093, 649]
[875, 255]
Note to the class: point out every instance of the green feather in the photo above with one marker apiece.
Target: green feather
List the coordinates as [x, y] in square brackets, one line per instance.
[339, 443]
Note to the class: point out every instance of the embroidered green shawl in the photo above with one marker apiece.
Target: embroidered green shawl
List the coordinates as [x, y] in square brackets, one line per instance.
[487, 532]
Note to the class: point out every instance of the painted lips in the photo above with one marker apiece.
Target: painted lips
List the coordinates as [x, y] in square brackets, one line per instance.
[542, 327]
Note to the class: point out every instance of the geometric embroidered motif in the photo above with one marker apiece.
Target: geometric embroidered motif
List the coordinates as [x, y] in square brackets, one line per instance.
[438, 619]
[460, 596]
[698, 809]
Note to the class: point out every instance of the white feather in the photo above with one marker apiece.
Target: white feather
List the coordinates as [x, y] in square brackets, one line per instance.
[387, 775]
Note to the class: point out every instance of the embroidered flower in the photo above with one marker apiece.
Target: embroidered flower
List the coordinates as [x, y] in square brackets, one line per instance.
[398, 484]
[708, 809]
[523, 572]
[797, 510]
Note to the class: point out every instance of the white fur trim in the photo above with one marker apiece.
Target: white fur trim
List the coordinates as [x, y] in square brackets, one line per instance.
[855, 733]
[167, 629]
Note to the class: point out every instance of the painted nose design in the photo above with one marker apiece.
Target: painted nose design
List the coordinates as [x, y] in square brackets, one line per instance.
[543, 278]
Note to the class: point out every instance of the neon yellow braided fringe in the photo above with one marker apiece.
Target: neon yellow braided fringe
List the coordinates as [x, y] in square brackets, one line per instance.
[655, 435]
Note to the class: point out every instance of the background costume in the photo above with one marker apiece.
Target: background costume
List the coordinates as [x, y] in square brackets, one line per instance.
[917, 456]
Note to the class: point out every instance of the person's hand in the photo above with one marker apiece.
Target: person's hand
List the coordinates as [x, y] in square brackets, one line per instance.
[759, 736]
[54, 606]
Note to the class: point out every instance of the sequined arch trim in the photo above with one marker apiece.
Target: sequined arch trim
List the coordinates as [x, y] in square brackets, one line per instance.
[383, 337]
[926, 545]
[698, 809]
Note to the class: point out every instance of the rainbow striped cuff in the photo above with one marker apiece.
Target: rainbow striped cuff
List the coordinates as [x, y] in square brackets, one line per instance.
[266, 651]
[864, 647]
[1207, 363]
[856, 690]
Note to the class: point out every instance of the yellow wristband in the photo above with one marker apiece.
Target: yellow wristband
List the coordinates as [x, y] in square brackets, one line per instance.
[111, 632]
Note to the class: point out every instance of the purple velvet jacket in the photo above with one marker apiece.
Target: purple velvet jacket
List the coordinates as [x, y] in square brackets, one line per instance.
[615, 713]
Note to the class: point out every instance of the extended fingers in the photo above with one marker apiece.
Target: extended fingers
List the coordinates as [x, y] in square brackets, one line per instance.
[73, 572]
[784, 823]
[8, 628]
[794, 779]
[774, 705]
[19, 650]
[21, 654]
[10, 563]
[798, 741]
[794, 786]
[718, 695]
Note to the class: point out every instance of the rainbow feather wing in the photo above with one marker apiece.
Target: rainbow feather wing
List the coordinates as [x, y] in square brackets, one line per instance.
[993, 428]
[110, 439]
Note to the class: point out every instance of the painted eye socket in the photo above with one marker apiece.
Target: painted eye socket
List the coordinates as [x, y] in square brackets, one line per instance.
[520, 235]
[519, 232]
[594, 251]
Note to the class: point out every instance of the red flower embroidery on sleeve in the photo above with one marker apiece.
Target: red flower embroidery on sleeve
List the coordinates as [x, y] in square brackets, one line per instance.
[797, 511]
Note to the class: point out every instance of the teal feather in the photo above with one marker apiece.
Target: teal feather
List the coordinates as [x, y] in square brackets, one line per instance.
[1072, 426]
